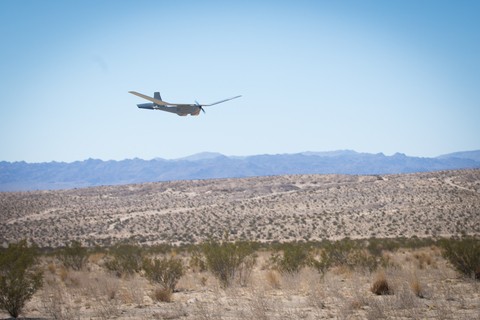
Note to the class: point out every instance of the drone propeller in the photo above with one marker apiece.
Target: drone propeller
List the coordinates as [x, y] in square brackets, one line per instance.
[200, 106]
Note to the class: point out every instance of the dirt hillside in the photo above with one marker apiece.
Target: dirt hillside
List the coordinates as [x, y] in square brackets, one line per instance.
[282, 208]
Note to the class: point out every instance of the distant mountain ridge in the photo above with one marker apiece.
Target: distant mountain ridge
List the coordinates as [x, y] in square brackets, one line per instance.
[22, 176]
[472, 155]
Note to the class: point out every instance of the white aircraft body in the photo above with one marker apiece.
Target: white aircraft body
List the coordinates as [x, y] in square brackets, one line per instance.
[178, 108]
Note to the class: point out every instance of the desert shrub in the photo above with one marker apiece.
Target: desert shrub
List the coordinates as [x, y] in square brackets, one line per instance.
[166, 271]
[416, 287]
[163, 295]
[73, 256]
[416, 243]
[125, 259]
[55, 303]
[197, 260]
[424, 259]
[334, 254]
[245, 269]
[380, 285]
[19, 276]
[225, 259]
[293, 257]
[464, 255]
[376, 245]
[347, 253]
[162, 248]
[339, 252]
[362, 259]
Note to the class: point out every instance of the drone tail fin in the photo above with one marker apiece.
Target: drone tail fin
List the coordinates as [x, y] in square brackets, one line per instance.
[156, 96]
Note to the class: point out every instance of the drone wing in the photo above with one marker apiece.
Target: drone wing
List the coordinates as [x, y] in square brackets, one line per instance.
[157, 101]
[207, 105]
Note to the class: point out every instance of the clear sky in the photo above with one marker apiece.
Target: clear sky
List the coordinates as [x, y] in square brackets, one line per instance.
[372, 76]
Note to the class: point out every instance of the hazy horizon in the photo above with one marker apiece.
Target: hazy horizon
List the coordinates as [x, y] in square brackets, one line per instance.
[245, 156]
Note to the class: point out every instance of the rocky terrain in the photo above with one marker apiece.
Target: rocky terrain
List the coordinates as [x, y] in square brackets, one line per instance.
[275, 208]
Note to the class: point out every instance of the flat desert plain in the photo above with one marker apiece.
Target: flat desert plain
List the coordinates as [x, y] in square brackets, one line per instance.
[423, 284]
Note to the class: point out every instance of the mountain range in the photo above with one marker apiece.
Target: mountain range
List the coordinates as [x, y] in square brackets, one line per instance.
[23, 176]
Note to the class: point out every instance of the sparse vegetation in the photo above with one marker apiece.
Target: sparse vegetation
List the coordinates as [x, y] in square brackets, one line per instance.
[347, 253]
[416, 287]
[342, 290]
[74, 256]
[125, 259]
[289, 216]
[165, 271]
[380, 285]
[163, 295]
[265, 209]
[20, 277]
[464, 255]
[291, 257]
[226, 259]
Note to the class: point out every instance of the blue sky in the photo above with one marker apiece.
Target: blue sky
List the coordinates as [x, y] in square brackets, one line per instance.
[372, 76]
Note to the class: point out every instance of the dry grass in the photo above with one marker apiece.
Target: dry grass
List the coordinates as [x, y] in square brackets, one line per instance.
[380, 285]
[273, 279]
[337, 293]
[416, 286]
[163, 295]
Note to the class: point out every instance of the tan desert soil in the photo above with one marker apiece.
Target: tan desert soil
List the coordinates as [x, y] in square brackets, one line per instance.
[283, 208]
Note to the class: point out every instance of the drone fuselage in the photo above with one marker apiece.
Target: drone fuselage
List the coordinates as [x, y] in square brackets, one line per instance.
[182, 110]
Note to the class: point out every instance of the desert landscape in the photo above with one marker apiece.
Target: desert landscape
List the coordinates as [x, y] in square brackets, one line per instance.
[297, 209]
[240, 160]
[264, 209]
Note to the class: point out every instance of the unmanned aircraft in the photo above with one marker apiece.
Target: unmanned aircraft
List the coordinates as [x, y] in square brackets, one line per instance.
[180, 109]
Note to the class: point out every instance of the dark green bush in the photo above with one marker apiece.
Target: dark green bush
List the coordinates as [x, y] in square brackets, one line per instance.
[291, 257]
[19, 276]
[73, 256]
[349, 253]
[166, 271]
[377, 245]
[226, 259]
[463, 254]
[125, 259]
[162, 248]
